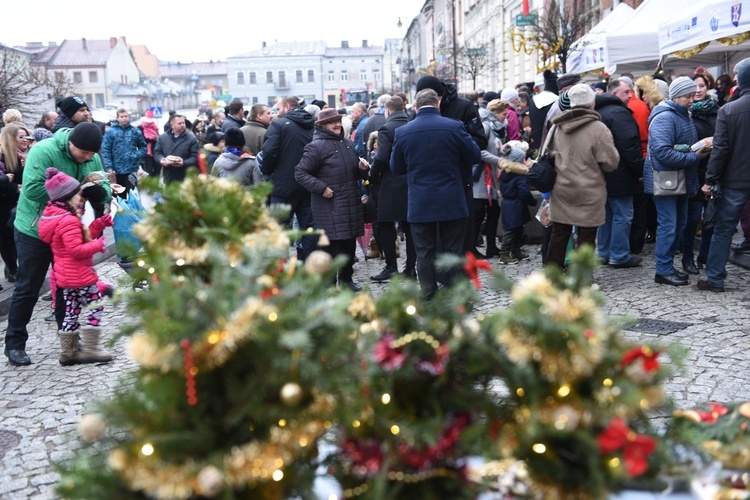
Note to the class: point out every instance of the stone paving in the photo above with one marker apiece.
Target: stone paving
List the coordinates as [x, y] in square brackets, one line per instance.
[41, 404]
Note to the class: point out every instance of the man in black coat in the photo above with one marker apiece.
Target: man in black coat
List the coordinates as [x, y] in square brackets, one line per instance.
[613, 238]
[176, 150]
[283, 145]
[463, 110]
[392, 194]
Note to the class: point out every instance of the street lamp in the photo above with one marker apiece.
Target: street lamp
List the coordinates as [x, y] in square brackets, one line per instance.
[399, 24]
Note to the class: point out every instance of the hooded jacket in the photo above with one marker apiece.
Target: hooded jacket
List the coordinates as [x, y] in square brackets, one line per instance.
[624, 181]
[330, 161]
[52, 151]
[123, 149]
[582, 149]
[282, 151]
[242, 168]
[255, 132]
[728, 162]
[669, 125]
[63, 231]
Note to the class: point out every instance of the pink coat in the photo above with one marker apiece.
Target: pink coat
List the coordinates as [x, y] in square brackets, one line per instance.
[63, 231]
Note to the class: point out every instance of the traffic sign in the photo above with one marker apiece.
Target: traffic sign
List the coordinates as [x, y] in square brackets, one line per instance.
[527, 20]
[156, 110]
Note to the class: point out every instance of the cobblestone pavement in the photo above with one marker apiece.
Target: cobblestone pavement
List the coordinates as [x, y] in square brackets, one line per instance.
[41, 404]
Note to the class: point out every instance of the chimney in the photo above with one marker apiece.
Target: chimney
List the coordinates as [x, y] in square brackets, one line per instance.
[344, 44]
[112, 41]
[364, 43]
[264, 45]
[83, 42]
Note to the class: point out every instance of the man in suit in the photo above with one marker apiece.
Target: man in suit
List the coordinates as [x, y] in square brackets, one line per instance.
[433, 151]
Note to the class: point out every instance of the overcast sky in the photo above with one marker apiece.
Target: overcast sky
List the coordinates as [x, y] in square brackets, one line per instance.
[206, 30]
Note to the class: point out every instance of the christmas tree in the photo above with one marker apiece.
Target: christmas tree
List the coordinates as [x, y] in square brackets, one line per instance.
[242, 358]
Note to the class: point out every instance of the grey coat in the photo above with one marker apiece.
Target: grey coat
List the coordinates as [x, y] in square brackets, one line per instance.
[242, 168]
[330, 161]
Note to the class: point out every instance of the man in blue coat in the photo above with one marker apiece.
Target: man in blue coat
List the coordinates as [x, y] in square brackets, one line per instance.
[432, 151]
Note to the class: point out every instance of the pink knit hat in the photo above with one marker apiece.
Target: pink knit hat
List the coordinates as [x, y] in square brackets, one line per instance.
[60, 186]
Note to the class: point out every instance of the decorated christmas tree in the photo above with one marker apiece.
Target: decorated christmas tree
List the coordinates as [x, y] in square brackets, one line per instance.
[242, 358]
[582, 394]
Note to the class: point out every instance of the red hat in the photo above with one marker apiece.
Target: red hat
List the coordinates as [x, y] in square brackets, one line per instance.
[149, 114]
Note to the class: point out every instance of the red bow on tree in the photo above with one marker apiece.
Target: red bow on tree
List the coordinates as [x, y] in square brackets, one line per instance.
[714, 413]
[636, 447]
[650, 363]
[472, 267]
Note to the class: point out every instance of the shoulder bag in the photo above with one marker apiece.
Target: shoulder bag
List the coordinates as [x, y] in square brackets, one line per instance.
[542, 174]
[668, 182]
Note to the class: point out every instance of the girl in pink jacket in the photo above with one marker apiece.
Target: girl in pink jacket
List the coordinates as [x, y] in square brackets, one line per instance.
[73, 247]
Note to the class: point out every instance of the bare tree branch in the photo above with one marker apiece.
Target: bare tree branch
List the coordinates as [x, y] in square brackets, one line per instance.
[474, 62]
[557, 31]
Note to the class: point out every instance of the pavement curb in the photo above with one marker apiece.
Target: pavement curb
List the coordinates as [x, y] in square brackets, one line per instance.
[7, 293]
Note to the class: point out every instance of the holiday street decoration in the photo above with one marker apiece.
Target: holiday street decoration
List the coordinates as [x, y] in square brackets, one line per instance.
[242, 358]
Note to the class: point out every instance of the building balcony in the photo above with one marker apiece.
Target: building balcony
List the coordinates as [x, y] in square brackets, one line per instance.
[281, 85]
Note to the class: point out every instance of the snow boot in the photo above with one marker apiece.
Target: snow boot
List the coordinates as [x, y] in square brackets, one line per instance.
[92, 351]
[68, 348]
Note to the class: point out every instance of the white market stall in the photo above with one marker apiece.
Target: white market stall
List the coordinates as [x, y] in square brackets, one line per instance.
[590, 52]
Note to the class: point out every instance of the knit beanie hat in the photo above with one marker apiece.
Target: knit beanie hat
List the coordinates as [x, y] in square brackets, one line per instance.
[328, 115]
[627, 80]
[509, 95]
[490, 95]
[60, 186]
[663, 87]
[70, 105]
[517, 155]
[568, 80]
[564, 101]
[581, 96]
[86, 136]
[149, 114]
[742, 70]
[601, 86]
[40, 134]
[431, 82]
[234, 138]
[682, 86]
[318, 103]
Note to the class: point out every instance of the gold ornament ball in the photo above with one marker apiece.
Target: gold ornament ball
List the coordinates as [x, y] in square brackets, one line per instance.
[210, 481]
[92, 427]
[291, 394]
[318, 262]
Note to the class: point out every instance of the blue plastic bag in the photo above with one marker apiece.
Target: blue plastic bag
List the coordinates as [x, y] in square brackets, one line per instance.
[129, 212]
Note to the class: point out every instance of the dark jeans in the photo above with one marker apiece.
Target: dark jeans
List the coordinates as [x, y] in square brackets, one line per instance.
[695, 209]
[428, 237]
[388, 244]
[729, 209]
[7, 241]
[558, 242]
[482, 206]
[303, 211]
[745, 221]
[344, 247]
[34, 259]
[638, 226]
[512, 239]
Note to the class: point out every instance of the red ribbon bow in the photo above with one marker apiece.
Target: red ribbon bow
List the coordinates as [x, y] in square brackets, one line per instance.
[472, 267]
[636, 447]
[650, 363]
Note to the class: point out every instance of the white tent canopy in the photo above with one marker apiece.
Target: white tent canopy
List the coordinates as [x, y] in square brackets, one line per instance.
[638, 40]
[590, 52]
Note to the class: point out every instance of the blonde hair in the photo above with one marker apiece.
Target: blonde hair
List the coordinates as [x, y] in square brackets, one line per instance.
[498, 105]
[12, 115]
[9, 146]
[647, 85]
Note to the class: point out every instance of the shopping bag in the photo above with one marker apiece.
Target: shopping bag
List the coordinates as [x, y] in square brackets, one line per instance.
[127, 212]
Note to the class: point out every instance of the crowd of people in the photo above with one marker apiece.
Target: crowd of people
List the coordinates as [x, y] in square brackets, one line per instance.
[637, 160]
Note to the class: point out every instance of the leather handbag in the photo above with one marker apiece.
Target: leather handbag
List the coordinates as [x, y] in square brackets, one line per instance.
[669, 182]
[542, 174]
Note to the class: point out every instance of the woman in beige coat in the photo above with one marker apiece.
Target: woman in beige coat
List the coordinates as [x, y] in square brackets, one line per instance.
[582, 149]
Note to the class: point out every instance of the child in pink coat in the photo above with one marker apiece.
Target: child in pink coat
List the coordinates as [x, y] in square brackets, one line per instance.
[73, 247]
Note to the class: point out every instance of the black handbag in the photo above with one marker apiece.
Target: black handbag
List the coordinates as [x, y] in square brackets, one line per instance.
[542, 174]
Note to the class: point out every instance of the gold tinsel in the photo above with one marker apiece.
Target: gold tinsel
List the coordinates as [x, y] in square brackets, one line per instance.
[734, 40]
[362, 306]
[693, 51]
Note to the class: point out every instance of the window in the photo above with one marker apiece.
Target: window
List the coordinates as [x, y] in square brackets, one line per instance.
[363, 75]
[89, 98]
[93, 76]
[99, 100]
[344, 75]
[331, 76]
[282, 79]
[376, 75]
[269, 76]
[77, 77]
[255, 100]
[59, 76]
[311, 76]
[240, 78]
[251, 77]
[298, 76]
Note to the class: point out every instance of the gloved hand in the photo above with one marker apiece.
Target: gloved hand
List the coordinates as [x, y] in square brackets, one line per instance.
[103, 244]
[94, 193]
[107, 220]
[704, 153]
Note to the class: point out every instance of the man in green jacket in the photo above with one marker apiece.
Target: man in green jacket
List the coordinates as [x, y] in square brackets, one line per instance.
[72, 151]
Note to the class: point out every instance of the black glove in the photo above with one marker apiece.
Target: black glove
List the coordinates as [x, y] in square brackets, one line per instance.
[94, 193]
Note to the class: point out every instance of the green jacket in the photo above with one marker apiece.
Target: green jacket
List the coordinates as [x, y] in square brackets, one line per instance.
[52, 152]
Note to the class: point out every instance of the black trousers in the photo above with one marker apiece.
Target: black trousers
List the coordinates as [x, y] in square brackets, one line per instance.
[387, 244]
[512, 239]
[558, 243]
[482, 207]
[7, 240]
[448, 236]
[343, 247]
[638, 226]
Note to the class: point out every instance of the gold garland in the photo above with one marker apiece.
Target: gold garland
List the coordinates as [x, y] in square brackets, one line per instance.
[400, 476]
[687, 53]
[734, 40]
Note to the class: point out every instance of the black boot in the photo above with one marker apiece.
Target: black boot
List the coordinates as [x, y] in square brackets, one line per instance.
[386, 274]
[688, 264]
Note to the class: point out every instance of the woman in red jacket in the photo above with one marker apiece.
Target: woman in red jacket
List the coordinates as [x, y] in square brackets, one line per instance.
[73, 247]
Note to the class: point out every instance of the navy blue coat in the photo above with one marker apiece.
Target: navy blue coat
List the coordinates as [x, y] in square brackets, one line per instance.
[432, 151]
[669, 125]
[516, 200]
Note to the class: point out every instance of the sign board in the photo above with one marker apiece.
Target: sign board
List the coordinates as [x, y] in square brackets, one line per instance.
[527, 20]
[156, 110]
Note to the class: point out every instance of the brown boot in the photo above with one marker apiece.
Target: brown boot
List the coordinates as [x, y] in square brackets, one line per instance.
[68, 348]
[374, 251]
[92, 351]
